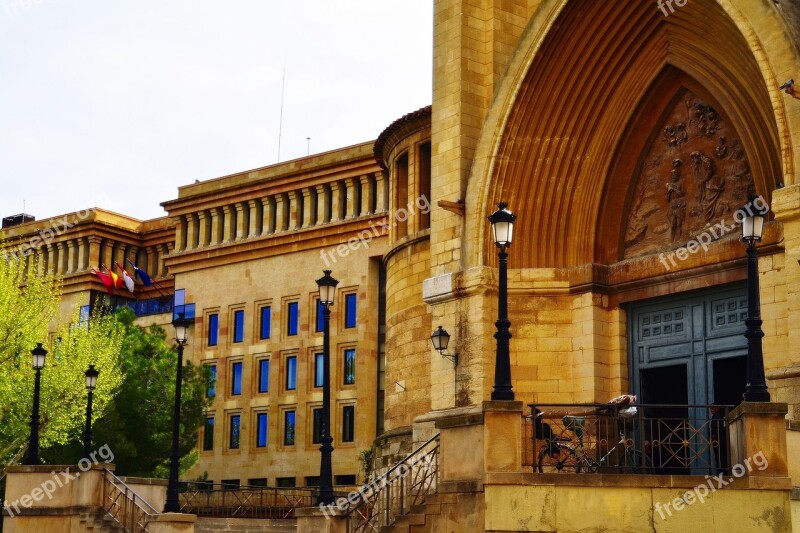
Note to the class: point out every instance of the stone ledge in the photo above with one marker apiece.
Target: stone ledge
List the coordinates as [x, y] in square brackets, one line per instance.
[635, 481]
[174, 517]
[502, 405]
[46, 469]
[74, 510]
[454, 412]
[449, 487]
[759, 408]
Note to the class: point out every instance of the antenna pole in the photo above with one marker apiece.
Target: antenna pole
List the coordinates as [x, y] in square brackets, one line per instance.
[280, 121]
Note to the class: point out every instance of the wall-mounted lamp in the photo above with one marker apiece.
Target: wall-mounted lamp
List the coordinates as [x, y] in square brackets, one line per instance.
[441, 339]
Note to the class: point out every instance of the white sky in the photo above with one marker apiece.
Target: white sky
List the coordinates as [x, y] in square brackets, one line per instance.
[115, 104]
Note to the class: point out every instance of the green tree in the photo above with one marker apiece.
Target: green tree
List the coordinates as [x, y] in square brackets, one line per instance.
[29, 310]
[138, 426]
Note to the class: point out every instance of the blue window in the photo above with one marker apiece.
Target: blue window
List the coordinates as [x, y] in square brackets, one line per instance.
[213, 329]
[348, 423]
[288, 428]
[293, 315]
[208, 434]
[261, 427]
[350, 310]
[319, 369]
[85, 312]
[263, 375]
[236, 379]
[266, 321]
[349, 366]
[238, 325]
[291, 373]
[212, 381]
[320, 316]
[236, 427]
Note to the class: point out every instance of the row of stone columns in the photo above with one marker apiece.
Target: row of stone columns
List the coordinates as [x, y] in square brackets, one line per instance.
[302, 208]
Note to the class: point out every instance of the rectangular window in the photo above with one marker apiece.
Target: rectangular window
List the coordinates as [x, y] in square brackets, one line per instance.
[236, 378]
[208, 434]
[288, 428]
[261, 430]
[319, 369]
[317, 429]
[320, 315]
[286, 482]
[291, 373]
[312, 481]
[236, 427]
[258, 482]
[350, 310]
[263, 375]
[292, 318]
[238, 325]
[211, 389]
[349, 366]
[266, 322]
[348, 423]
[230, 484]
[345, 479]
[213, 329]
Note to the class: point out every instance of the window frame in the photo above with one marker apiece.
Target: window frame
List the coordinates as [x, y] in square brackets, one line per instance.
[237, 329]
[233, 365]
[257, 433]
[285, 425]
[345, 408]
[318, 369]
[346, 297]
[290, 363]
[231, 416]
[292, 320]
[261, 315]
[208, 446]
[213, 330]
[345, 376]
[259, 362]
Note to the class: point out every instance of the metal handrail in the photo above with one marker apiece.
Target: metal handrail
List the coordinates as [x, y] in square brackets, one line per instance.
[221, 500]
[391, 495]
[627, 438]
[125, 506]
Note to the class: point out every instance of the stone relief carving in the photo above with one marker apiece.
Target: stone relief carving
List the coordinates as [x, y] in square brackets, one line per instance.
[694, 173]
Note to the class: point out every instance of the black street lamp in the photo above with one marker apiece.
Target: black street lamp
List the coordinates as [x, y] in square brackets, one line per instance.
[327, 290]
[502, 231]
[91, 381]
[32, 455]
[441, 340]
[173, 504]
[756, 390]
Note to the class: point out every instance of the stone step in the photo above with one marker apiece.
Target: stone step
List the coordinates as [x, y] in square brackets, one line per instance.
[244, 525]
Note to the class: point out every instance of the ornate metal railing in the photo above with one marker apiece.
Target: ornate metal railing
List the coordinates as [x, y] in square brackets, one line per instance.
[127, 508]
[394, 493]
[210, 499]
[627, 439]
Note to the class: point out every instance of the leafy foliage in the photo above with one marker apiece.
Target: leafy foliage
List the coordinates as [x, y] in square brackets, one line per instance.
[29, 304]
[138, 427]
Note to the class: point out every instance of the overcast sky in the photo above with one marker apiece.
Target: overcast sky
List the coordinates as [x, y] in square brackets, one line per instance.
[115, 104]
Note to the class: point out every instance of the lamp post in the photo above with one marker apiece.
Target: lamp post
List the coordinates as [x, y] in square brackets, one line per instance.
[91, 381]
[502, 232]
[756, 390]
[173, 504]
[32, 455]
[441, 340]
[327, 290]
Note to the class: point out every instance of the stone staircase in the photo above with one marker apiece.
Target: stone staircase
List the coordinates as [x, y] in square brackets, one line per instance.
[431, 516]
[97, 521]
[244, 525]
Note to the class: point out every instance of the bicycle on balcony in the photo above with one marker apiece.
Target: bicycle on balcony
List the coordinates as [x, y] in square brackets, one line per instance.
[568, 451]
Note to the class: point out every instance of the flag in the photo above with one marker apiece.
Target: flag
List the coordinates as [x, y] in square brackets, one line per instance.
[116, 280]
[106, 279]
[126, 279]
[142, 274]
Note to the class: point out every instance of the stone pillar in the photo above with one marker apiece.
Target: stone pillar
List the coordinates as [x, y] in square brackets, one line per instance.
[180, 235]
[216, 228]
[367, 197]
[757, 436]
[381, 192]
[314, 520]
[94, 250]
[351, 198]
[70, 266]
[336, 201]
[61, 265]
[280, 213]
[267, 213]
[309, 199]
[52, 257]
[254, 207]
[323, 206]
[172, 523]
[241, 220]
[191, 231]
[295, 209]
[227, 220]
[203, 227]
[83, 254]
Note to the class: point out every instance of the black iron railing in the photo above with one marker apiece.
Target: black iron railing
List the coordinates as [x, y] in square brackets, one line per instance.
[627, 439]
[233, 501]
[393, 494]
[124, 506]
